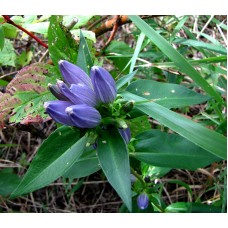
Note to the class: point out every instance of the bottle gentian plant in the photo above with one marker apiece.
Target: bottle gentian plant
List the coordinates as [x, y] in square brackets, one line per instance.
[91, 103]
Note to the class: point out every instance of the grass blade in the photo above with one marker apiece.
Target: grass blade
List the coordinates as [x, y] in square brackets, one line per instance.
[137, 50]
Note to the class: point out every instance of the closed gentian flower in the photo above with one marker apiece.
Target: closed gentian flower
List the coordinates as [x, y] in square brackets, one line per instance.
[84, 94]
[143, 201]
[78, 94]
[57, 92]
[56, 110]
[126, 134]
[83, 116]
[65, 91]
[103, 84]
[73, 74]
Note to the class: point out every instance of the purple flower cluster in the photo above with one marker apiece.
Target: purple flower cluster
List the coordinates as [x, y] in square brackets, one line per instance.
[79, 95]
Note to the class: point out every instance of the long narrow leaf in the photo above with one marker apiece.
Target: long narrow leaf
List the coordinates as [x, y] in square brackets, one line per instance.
[114, 160]
[178, 27]
[136, 52]
[216, 59]
[199, 44]
[201, 136]
[84, 59]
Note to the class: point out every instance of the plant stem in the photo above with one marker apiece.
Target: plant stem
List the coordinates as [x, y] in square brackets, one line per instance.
[138, 176]
[219, 113]
[8, 20]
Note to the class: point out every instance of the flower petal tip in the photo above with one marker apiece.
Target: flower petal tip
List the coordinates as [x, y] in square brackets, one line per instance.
[143, 201]
[69, 110]
[46, 105]
[61, 61]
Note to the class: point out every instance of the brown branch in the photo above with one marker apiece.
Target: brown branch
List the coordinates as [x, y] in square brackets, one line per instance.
[9, 21]
[108, 25]
[114, 30]
[97, 22]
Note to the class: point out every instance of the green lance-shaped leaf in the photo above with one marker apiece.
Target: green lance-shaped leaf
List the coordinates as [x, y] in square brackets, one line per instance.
[61, 44]
[86, 165]
[166, 94]
[175, 56]
[170, 150]
[114, 161]
[84, 59]
[56, 155]
[194, 132]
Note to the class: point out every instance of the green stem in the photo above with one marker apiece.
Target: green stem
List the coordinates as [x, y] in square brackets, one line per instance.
[219, 113]
[138, 176]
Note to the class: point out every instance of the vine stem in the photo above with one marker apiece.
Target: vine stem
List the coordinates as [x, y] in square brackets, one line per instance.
[9, 21]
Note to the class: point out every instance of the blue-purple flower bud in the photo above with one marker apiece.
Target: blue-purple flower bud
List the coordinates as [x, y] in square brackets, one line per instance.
[104, 85]
[72, 74]
[143, 201]
[126, 134]
[56, 109]
[66, 92]
[84, 116]
[54, 89]
[84, 94]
